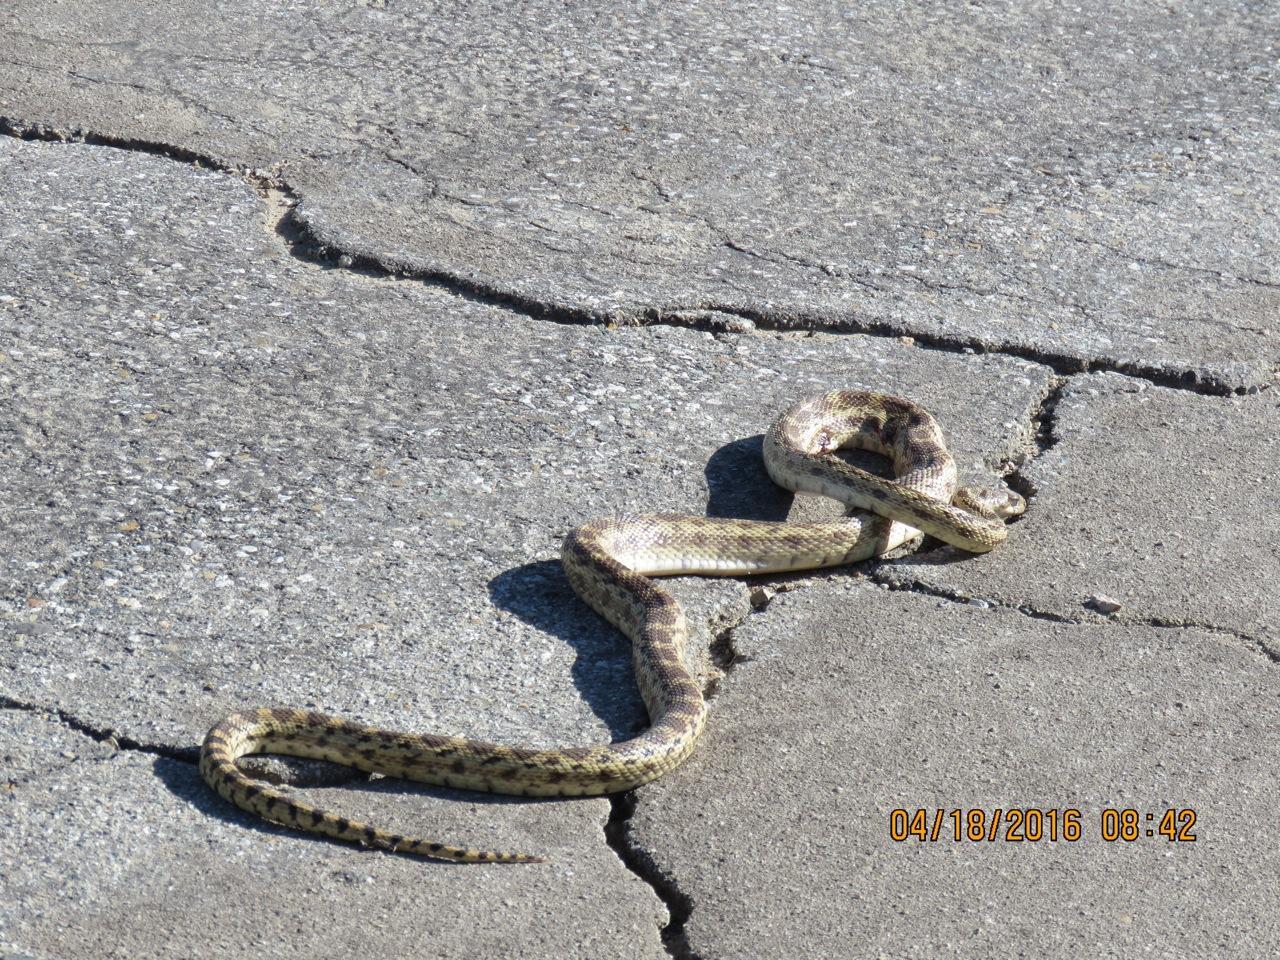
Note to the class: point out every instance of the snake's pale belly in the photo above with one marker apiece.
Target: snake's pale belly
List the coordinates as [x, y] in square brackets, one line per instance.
[610, 564]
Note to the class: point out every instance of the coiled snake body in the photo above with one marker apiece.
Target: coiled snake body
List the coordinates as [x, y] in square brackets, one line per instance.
[609, 563]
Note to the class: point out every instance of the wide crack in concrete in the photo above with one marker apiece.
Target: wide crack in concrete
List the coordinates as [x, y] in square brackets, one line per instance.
[300, 238]
[936, 188]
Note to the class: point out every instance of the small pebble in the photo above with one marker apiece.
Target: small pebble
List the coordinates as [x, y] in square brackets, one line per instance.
[1103, 604]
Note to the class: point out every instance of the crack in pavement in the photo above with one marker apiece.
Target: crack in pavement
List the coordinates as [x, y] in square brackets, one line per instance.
[617, 834]
[1169, 265]
[725, 657]
[110, 736]
[1042, 438]
[1062, 364]
[708, 316]
[1255, 644]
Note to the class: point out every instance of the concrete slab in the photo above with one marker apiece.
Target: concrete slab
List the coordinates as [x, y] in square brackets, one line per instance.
[232, 477]
[1088, 183]
[855, 701]
[129, 856]
[1158, 499]
[264, 480]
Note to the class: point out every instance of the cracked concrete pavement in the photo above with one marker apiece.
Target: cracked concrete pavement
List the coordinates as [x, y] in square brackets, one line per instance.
[1201, 558]
[1090, 183]
[303, 422]
[860, 700]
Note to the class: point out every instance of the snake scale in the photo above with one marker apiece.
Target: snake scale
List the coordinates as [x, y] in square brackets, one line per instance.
[609, 563]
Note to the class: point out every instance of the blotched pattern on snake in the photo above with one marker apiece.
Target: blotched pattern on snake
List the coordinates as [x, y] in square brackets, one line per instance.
[610, 563]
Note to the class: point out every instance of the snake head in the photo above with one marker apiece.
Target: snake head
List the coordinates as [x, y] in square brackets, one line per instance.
[997, 503]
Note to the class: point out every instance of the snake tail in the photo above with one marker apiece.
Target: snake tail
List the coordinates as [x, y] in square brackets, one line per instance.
[294, 733]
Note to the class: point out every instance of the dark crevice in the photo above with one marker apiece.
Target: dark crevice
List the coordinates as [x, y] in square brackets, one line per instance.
[1257, 644]
[111, 737]
[724, 653]
[725, 656]
[40, 133]
[301, 241]
[1063, 364]
[723, 318]
[1167, 623]
[1044, 437]
[617, 834]
[952, 596]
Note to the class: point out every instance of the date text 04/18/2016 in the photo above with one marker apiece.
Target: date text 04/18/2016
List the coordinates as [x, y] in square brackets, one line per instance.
[1036, 824]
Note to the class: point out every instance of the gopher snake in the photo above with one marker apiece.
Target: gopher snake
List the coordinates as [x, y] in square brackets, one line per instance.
[609, 563]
